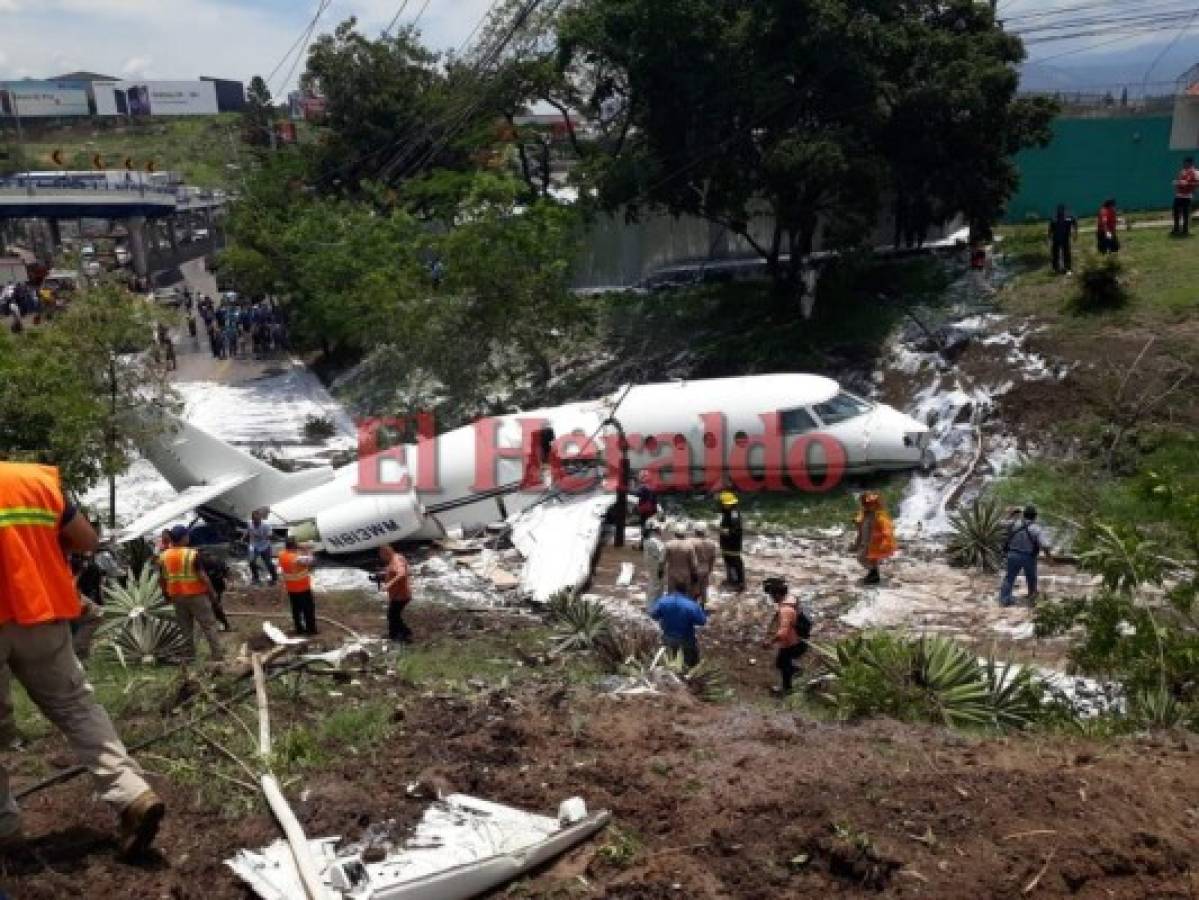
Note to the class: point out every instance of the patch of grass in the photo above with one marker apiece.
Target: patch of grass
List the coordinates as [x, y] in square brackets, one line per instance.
[621, 847]
[358, 727]
[794, 509]
[1160, 273]
[201, 148]
[1070, 491]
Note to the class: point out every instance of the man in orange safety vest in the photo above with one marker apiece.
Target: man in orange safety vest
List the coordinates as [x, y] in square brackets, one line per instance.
[186, 585]
[297, 586]
[38, 600]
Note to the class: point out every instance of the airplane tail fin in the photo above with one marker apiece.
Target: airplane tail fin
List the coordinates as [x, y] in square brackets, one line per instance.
[187, 456]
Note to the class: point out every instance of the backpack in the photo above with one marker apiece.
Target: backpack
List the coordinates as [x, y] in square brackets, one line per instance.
[1012, 532]
[803, 622]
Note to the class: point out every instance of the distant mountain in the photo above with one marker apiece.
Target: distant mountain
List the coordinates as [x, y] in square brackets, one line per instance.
[1103, 70]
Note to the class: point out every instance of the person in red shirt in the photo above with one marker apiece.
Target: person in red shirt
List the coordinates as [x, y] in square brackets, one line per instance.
[398, 583]
[1184, 190]
[1106, 228]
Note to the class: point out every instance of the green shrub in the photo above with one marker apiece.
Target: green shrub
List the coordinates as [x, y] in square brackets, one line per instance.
[1101, 286]
[929, 679]
[979, 532]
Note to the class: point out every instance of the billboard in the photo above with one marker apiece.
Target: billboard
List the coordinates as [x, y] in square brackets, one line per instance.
[43, 99]
[155, 98]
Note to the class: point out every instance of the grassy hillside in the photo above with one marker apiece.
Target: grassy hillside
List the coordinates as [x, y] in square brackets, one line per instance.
[203, 148]
[1127, 411]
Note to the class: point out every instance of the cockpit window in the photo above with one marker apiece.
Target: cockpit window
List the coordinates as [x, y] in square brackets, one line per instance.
[842, 408]
[796, 421]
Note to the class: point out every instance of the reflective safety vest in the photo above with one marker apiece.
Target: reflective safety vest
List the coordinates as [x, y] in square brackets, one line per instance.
[296, 575]
[179, 566]
[35, 581]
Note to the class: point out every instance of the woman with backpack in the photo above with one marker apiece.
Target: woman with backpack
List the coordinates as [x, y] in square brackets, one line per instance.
[789, 633]
[875, 536]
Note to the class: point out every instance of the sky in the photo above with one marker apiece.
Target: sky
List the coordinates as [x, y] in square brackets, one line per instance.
[184, 39]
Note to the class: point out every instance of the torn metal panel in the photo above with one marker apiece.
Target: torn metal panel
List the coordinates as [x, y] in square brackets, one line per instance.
[462, 847]
[558, 540]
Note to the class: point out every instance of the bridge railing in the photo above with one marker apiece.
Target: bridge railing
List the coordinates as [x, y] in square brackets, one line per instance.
[75, 188]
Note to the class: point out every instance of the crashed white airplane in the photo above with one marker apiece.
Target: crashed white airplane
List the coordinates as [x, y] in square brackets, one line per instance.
[751, 433]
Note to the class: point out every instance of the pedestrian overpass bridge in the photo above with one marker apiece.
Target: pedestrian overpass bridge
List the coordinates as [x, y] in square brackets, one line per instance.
[87, 203]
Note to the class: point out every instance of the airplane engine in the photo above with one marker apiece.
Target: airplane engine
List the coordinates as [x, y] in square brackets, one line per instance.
[366, 522]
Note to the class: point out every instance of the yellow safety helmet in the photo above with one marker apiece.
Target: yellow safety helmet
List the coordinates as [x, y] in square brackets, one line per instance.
[728, 498]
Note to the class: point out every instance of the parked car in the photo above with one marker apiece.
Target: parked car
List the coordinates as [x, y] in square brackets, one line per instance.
[200, 234]
[168, 296]
[87, 249]
[123, 256]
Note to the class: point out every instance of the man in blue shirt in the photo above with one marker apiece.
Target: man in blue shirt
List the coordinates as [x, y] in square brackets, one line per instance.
[679, 615]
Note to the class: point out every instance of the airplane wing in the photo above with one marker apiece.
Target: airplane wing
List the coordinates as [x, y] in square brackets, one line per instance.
[558, 539]
[187, 501]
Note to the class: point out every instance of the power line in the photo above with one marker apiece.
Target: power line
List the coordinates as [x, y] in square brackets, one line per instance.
[395, 18]
[322, 5]
[300, 46]
[1170, 46]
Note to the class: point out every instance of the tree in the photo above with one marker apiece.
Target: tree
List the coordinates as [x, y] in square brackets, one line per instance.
[257, 119]
[78, 393]
[387, 107]
[777, 118]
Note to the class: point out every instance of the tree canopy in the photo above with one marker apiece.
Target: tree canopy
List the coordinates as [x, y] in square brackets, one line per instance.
[773, 117]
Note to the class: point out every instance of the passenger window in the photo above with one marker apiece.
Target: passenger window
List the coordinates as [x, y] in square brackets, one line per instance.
[796, 421]
[841, 408]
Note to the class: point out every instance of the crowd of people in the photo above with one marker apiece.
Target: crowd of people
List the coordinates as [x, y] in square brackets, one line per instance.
[238, 328]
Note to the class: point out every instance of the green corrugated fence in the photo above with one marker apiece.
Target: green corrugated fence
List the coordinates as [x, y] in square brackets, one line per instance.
[1089, 160]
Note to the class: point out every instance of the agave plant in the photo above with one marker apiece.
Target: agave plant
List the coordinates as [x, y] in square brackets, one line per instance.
[709, 683]
[950, 676]
[581, 624]
[1156, 708]
[137, 621]
[627, 646]
[978, 535]
[1014, 696]
[932, 678]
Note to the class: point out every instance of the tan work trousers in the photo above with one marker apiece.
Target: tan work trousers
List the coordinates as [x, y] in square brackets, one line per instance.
[43, 661]
[196, 610]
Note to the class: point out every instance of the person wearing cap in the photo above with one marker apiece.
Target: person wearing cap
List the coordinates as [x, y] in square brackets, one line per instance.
[875, 541]
[706, 552]
[678, 615]
[731, 537]
[297, 586]
[653, 551]
[187, 586]
[682, 568]
[1025, 542]
[788, 634]
[38, 600]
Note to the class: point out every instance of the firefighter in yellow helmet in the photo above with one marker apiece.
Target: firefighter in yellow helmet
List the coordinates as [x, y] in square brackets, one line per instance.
[731, 538]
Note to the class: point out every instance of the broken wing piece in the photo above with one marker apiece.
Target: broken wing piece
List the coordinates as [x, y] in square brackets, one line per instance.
[462, 847]
[187, 502]
[558, 540]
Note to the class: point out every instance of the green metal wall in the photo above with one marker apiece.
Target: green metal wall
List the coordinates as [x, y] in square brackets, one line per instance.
[1088, 160]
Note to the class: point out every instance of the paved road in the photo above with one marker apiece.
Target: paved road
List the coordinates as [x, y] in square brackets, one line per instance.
[196, 362]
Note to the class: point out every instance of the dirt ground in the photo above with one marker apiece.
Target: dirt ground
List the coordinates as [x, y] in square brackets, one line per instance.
[740, 800]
